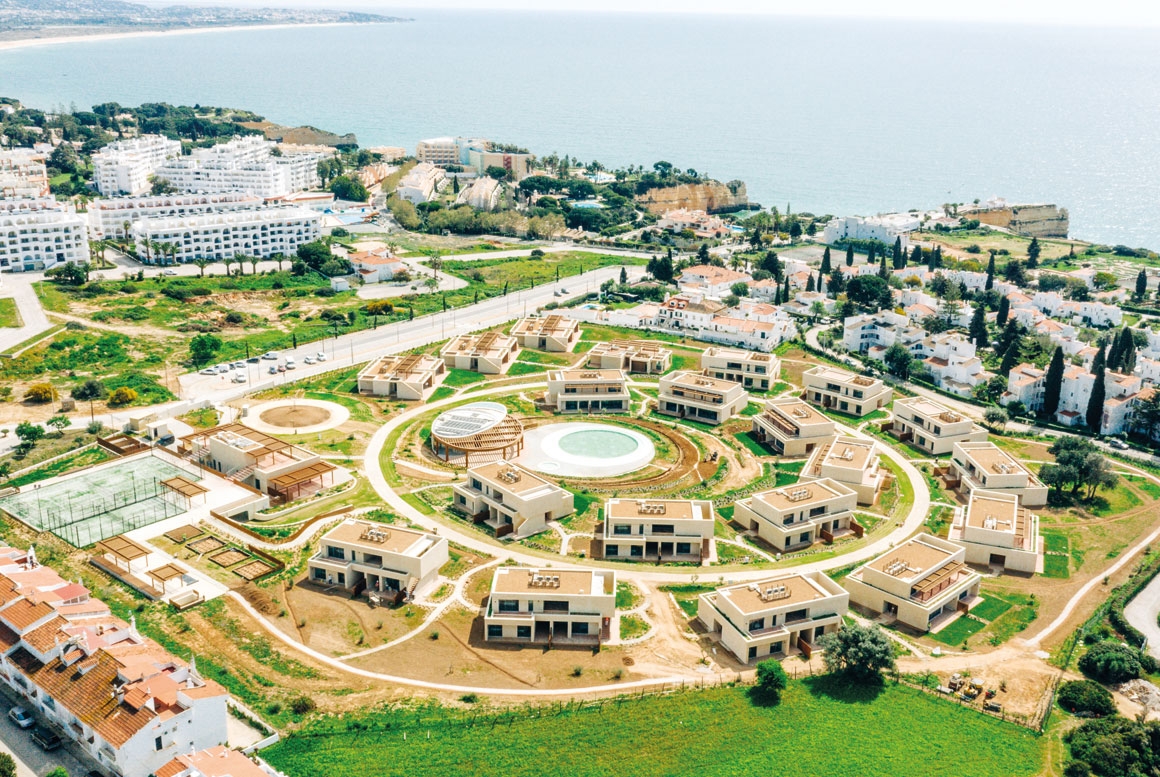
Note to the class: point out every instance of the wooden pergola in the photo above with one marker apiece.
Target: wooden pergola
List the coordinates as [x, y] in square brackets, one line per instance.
[288, 487]
[123, 551]
[185, 489]
[506, 437]
[163, 574]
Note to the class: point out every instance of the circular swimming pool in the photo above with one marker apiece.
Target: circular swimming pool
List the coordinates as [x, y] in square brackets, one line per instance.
[586, 450]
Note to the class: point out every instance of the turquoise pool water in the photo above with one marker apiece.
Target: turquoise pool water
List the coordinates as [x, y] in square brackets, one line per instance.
[598, 443]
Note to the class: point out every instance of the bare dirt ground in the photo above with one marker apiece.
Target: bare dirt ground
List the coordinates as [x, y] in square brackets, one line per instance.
[1027, 677]
[295, 417]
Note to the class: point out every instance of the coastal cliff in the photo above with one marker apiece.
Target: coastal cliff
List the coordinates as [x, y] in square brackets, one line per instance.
[709, 196]
[1028, 220]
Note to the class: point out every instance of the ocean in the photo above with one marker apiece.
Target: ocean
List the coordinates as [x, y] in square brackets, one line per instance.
[820, 115]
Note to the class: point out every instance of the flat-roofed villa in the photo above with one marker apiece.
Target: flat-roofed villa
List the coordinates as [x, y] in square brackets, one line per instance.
[852, 462]
[550, 606]
[640, 356]
[256, 459]
[845, 391]
[798, 515]
[551, 333]
[407, 376]
[509, 499]
[932, 426]
[779, 616]
[985, 465]
[998, 531]
[756, 371]
[792, 427]
[918, 582]
[655, 530]
[490, 353]
[588, 391]
[688, 394]
[384, 560]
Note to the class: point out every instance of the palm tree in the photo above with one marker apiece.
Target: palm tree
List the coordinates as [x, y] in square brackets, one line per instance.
[227, 261]
[254, 264]
[97, 250]
[173, 250]
[240, 258]
[280, 258]
[201, 263]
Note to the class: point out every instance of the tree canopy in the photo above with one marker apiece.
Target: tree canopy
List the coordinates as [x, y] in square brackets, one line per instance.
[1078, 464]
[857, 651]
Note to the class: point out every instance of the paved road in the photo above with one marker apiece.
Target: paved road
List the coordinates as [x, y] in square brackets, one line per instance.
[1141, 612]
[31, 760]
[18, 286]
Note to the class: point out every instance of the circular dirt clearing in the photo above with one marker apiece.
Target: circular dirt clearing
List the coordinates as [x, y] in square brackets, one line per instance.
[301, 416]
[295, 417]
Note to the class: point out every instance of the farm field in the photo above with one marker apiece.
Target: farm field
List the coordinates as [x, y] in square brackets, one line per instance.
[711, 732]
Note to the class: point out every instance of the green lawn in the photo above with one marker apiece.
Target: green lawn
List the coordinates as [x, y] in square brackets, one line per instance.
[712, 733]
[523, 368]
[456, 378]
[441, 393]
[84, 458]
[991, 608]
[9, 315]
[755, 447]
[958, 631]
[1056, 566]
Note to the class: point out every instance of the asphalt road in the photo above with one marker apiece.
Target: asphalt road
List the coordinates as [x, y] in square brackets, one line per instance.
[31, 760]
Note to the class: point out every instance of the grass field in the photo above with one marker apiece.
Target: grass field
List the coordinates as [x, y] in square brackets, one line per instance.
[958, 631]
[710, 733]
[84, 458]
[9, 315]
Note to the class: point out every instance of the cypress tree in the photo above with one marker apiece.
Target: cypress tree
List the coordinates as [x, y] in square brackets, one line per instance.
[785, 291]
[978, 329]
[1127, 351]
[826, 269]
[1033, 253]
[850, 256]
[777, 296]
[870, 255]
[1142, 284]
[990, 284]
[836, 284]
[899, 255]
[1095, 408]
[1011, 355]
[1113, 363]
[1053, 383]
[883, 273]
[1004, 311]
[810, 283]
[916, 255]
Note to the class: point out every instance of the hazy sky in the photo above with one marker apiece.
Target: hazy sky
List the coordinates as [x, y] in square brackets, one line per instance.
[1131, 13]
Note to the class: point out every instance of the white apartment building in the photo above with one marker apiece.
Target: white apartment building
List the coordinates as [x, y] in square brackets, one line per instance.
[448, 151]
[550, 606]
[125, 166]
[844, 391]
[244, 164]
[796, 516]
[378, 558]
[851, 461]
[109, 218]
[950, 358]
[481, 194]
[1097, 314]
[655, 530]
[687, 394]
[39, 234]
[779, 616]
[998, 531]
[490, 353]
[792, 427]
[517, 166]
[933, 426]
[588, 391]
[23, 174]
[262, 232]
[642, 356]
[754, 371]
[688, 310]
[984, 465]
[918, 582]
[875, 332]
[883, 228]
[410, 377]
[508, 499]
[421, 183]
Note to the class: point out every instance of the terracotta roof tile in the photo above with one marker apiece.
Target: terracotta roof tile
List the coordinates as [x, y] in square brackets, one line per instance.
[23, 613]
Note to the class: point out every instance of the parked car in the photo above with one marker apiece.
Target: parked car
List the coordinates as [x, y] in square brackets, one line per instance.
[320, 356]
[290, 365]
[46, 738]
[273, 370]
[239, 365]
[271, 355]
[239, 377]
[209, 371]
[224, 368]
[254, 359]
[281, 368]
[1118, 444]
[21, 717]
[169, 272]
[308, 360]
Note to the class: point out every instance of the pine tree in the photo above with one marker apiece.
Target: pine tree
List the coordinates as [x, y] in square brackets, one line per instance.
[990, 284]
[1004, 311]
[978, 329]
[850, 256]
[826, 269]
[1142, 285]
[1095, 408]
[883, 273]
[1033, 253]
[1052, 384]
[899, 256]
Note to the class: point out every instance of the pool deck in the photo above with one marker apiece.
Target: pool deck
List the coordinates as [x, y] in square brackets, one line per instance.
[542, 452]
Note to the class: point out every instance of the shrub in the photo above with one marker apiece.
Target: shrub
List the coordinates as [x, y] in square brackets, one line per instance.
[302, 705]
[39, 393]
[577, 671]
[379, 307]
[274, 707]
[234, 317]
[1111, 662]
[469, 698]
[122, 396]
[1086, 699]
[771, 681]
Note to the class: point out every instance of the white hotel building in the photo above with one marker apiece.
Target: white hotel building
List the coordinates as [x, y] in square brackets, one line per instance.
[215, 236]
[23, 173]
[40, 234]
[244, 164]
[107, 218]
[124, 167]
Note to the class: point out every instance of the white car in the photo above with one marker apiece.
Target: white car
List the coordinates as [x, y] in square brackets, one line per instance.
[169, 272]
[290, 364]
[239, 377]
[239, 365]
[308, 360]
[223, 368]
[209, 371]
[1119, 445]
[320, 356]
[21, 717]
[271, 355]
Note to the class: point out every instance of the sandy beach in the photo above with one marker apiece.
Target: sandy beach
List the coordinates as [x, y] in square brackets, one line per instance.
[80, 37]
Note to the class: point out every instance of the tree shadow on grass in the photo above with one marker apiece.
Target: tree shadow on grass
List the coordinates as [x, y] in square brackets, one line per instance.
[759, 697]
[846, 688]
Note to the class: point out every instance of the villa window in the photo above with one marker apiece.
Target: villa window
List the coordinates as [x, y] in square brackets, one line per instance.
[684, 548]
[611, 550]
[509, 605]
[335, 552]
[494, 631]
[757, 625]
[579, 629]
[621, 529]
[524, 632]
